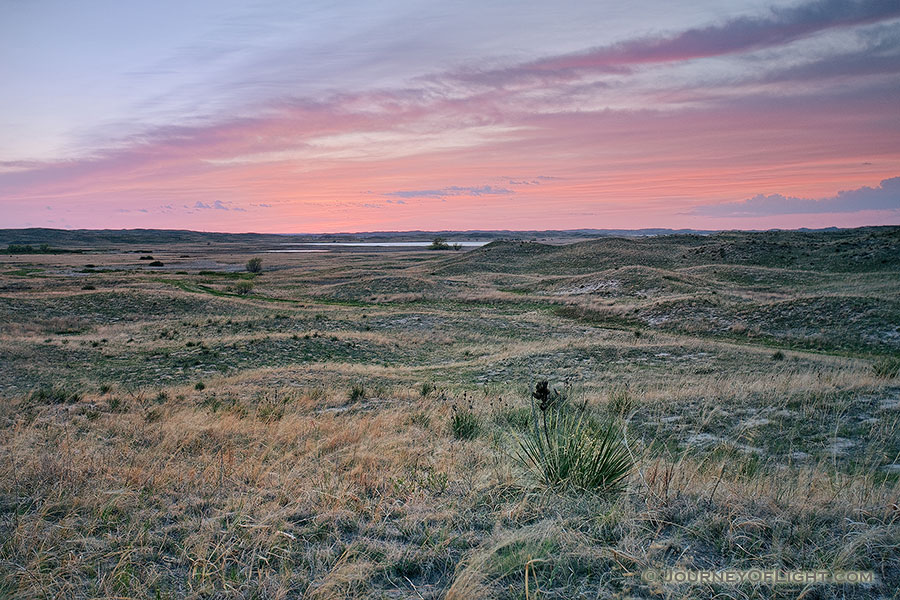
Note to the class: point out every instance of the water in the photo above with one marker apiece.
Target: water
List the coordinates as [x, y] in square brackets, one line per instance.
[376, 244]
[294, 251]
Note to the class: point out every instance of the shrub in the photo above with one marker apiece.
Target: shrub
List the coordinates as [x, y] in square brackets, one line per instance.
[199, 386]
[464, 424]
[242, 288]
[439, 243]
[254, 265]
[779, 355]
[888, 367]
[426, 388]
[156, 263]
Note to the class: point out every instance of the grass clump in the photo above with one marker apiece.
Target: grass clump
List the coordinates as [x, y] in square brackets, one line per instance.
[888, 367]
[621, 402]
[464, 424]
[357, 392]
[54, 395]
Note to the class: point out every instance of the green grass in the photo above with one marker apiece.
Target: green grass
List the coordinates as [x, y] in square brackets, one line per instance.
[464, 424]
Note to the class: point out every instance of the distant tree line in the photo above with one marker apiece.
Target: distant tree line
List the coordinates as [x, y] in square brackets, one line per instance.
[440, 243]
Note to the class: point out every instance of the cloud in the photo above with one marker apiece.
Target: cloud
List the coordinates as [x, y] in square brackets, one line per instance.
[452, 190]
[884, 197]
[217, 205]
[742, 34]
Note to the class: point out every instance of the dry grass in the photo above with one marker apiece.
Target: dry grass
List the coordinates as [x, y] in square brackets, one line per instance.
[275, 480]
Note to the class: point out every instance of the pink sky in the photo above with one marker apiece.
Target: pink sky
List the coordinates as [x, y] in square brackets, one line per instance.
[773, 116]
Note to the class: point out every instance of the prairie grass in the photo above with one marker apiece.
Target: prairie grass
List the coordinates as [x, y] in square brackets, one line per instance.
[159, 439]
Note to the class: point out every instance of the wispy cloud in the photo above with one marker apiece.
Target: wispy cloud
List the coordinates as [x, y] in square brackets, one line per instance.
[747, 33]
[886, 196]
[453, 190]
[216, 205]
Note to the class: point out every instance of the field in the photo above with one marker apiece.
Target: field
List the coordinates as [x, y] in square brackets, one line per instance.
[174, 426]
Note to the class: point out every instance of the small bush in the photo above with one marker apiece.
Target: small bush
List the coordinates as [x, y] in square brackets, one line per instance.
[425, 389]
[439, 243]
[779, 355]
[156, 263]
[254, 265]
[88, 287]
[888, 367]
[464, 424]
[242, 288]
[199, 386]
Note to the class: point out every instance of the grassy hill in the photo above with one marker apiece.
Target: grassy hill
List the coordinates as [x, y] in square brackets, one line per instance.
[864, 249]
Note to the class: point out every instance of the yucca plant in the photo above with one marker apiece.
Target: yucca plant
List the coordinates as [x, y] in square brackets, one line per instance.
[565, 449]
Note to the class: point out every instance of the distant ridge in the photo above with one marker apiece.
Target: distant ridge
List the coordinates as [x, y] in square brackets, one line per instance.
[146, 236]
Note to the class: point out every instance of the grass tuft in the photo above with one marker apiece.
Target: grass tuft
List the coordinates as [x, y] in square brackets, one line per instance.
[54, 395]
[464, 424]
[357, 392]
[887, 368]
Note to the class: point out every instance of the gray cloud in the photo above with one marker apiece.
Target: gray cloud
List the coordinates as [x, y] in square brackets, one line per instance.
[884, 197]
[217, 205]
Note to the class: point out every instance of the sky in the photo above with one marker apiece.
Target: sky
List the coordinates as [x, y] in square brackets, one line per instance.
[327, 116]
